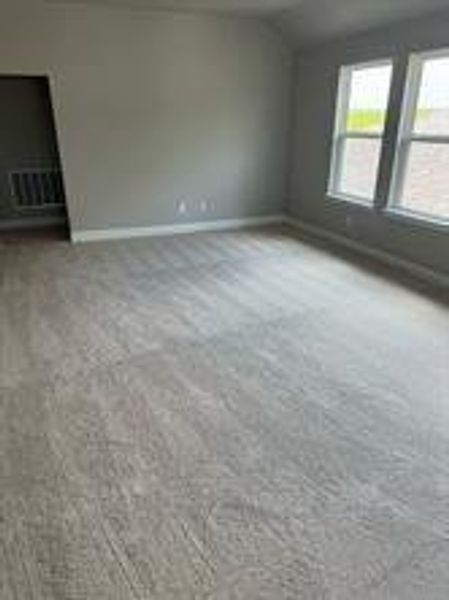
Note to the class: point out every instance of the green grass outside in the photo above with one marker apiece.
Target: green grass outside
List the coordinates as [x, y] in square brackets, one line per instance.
[365, 120]
[373, 120]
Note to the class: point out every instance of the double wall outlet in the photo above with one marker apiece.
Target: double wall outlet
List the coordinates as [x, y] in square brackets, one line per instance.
[200, 206]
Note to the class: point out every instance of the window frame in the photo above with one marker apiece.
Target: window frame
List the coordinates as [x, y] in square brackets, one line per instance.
[341, 134]
[406, 136]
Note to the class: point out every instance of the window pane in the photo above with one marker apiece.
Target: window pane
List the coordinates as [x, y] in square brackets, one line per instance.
[426, 188]
[368, 98]
[359, 166]
[432, 116]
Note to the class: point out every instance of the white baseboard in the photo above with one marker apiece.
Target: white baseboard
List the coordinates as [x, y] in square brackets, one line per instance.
[121, 233]
[423, 273]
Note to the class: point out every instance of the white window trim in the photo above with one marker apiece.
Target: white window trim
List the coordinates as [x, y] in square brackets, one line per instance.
[341, 134]
[406, 136]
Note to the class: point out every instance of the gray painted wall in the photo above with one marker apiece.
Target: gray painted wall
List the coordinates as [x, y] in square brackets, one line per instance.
[316, 86]
[157, 109]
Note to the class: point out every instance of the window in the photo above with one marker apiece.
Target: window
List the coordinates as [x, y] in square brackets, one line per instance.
[363, 98]
[421, 180]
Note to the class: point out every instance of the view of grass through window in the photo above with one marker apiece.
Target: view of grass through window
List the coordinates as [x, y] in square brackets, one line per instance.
[422, 184]
[362, 119]
[364, 98]
[425, 188]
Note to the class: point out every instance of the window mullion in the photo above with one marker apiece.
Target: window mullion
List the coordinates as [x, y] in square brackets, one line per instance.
[338, 161]
[340, 126]
[402, 160]
[429, 139]
[343, 101]
[404, 118]
[387, 171]
[364, 135]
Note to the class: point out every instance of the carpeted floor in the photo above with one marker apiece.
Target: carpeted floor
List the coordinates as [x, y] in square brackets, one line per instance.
[229, 416]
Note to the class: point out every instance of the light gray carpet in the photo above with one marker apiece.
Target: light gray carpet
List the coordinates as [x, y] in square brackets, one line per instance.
[230, 416]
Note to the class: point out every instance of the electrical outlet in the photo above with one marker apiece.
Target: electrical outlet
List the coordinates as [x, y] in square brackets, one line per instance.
[182, 208]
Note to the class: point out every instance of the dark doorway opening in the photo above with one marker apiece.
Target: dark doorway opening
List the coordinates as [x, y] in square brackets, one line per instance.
[32, 197]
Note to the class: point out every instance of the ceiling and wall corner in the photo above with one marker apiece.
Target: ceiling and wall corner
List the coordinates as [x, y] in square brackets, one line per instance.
[249, 8]
[318, 21]
[302, 22]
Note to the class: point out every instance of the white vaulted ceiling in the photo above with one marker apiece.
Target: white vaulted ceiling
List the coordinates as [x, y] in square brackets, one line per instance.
[317, 20]
[255, 7]
[303, 21]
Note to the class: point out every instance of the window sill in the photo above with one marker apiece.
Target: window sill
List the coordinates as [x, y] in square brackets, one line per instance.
[352, 200]
[416, 219]
[393, 213]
